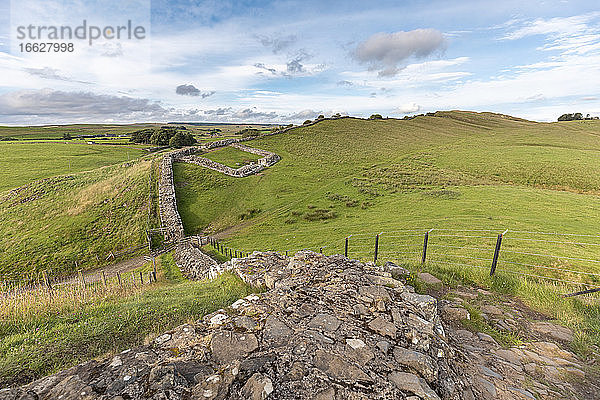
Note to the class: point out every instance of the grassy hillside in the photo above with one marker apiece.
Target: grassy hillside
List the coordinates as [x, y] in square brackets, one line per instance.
[488, 170]
[231, 157]
[68, 330]
[468, 176]
[25, 162]
[55, 223]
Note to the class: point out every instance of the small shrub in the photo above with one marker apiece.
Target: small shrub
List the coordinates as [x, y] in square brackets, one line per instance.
[352, 203]
[249, 213]
[311, 206]
[297, 213]
[320, 214]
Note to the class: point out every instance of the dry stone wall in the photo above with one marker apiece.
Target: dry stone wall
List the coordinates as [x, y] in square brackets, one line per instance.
[267, 160]
[193, 263]
[241, 172]
[169, 216]
[325, 328]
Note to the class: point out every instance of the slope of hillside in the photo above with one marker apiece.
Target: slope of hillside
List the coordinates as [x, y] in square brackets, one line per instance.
[387, 168]
[470, 177]
[69, 222]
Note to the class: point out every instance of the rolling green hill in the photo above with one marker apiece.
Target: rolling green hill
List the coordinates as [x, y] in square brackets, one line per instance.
[456, 171]
[426, 171]
[25, 162]
[468, 176]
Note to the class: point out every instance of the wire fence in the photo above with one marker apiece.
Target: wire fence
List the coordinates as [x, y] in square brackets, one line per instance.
[19, 282]
[568, 259]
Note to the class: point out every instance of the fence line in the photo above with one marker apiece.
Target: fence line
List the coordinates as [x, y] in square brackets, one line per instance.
[364, 245]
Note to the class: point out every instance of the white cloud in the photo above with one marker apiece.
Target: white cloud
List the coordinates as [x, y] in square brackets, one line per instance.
[387, 51]
[409, 108]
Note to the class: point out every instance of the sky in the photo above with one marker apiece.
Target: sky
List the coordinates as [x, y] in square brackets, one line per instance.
[288, 61]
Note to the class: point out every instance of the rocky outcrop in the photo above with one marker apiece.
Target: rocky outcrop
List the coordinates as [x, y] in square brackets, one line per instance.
[325, 328]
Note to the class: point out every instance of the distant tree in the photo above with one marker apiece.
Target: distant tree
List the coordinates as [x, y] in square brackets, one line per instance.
[376, 116]
[571, 117]
[67, 136]
[321, 116]
[248, 132]
[308, 121]
[336, 115]
[161, 137]
[181, 139]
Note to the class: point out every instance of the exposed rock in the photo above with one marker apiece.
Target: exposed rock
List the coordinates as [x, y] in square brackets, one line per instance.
[396, 271]
[429, 279]
[383, 327]
[413, 384]
[419, 362]
[300, 339]
[492, 310]
[450, 313]
[556, 332]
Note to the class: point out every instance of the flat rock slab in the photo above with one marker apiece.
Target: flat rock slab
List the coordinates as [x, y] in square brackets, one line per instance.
[556, 332]
[429, 279]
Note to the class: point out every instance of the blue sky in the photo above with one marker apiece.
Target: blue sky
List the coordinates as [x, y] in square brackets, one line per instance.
[287, 61]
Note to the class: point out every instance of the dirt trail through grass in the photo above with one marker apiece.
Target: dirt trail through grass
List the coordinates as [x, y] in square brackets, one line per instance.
[110, 270]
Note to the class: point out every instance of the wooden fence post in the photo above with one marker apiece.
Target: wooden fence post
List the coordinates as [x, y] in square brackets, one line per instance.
[497, 252]
[376, 247]
[154, 265]
[141, 278]
[425, 241]
[346, 246]
[119, 279]
[82, 278]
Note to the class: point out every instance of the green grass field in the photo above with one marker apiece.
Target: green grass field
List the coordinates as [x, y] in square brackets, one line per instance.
[62, 333]
[468, 176]
[231, 157]
[69, 222]
[25, 162]
[57, 131]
